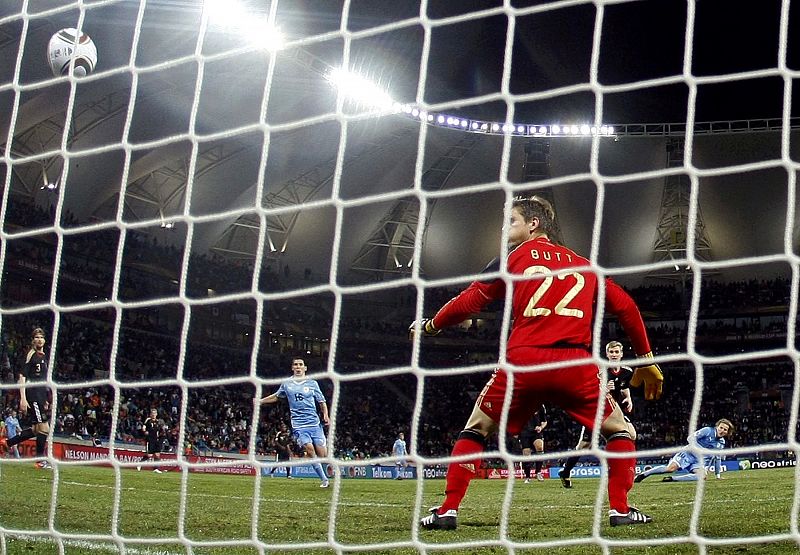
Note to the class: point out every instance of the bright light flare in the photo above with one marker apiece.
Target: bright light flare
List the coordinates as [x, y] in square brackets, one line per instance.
[231, 17]
[360, 89]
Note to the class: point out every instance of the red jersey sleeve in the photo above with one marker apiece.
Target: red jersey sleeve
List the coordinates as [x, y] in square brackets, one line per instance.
[469, 301]
[619, 303]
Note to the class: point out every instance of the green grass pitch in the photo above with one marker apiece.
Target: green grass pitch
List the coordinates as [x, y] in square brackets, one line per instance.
[378, 514]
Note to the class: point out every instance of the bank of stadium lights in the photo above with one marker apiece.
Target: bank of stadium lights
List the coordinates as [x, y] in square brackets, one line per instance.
[501, 128]
[362, 90]
[231, 17]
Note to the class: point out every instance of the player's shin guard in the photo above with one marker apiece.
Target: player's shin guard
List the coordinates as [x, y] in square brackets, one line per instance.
[621, 471]
[40, 444]
[27, 433]
[538, 467]
[460, 473]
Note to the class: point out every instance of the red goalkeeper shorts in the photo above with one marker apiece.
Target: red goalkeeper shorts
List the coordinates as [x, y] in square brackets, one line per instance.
[574, 388]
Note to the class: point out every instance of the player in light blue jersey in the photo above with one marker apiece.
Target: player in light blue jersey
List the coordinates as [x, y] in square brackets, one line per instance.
[400, 452]
[710, 437]
[12, 430]
[304, 395]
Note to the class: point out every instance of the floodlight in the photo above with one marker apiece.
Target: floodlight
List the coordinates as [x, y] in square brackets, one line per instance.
[358, 88]
[48, 185]
[266, 37]
[231, 16]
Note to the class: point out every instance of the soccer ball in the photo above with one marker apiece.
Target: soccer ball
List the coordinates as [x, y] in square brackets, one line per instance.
[62, 47]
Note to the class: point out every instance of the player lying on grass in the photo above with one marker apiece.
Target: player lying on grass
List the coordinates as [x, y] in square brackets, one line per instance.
[710, 437]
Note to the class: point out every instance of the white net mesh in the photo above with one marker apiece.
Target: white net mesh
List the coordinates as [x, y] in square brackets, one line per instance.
[210, 202]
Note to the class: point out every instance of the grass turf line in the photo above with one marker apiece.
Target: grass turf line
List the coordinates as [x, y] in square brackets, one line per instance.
[379, 513]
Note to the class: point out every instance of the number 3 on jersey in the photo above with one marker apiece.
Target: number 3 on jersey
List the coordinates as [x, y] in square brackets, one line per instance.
[561, 308]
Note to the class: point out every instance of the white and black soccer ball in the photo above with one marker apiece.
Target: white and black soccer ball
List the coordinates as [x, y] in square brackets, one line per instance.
[63, 46]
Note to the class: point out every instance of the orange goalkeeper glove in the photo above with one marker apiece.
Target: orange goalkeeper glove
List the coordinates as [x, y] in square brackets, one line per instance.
[426, 327]
[651, 376]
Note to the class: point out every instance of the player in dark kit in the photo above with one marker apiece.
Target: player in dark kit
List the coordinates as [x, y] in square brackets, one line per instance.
[34, 397]
[151, 429]
[283, 446]
[618, 385]
[532, 439]
[554, 296]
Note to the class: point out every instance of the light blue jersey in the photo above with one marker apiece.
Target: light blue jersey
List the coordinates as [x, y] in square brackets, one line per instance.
[12, 426]
[399, 448]
[303, 397]
[707, 439]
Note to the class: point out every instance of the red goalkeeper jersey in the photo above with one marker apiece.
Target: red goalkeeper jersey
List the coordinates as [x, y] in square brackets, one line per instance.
[552, 305]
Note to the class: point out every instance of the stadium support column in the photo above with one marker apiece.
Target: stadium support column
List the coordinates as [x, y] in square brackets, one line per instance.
[240, 239]
[670, 239]
[537, 168]
[389, 250]
[46, 133]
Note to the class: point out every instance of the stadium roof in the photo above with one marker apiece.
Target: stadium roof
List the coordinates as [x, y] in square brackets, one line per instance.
[223, 99]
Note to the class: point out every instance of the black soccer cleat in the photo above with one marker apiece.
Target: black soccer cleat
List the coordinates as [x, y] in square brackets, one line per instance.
[633, 516]
[435, 521]
[639, 478]
[566, 481]
[668, 479]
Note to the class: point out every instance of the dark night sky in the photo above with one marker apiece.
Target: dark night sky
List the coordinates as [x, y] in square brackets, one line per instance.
[641, 40]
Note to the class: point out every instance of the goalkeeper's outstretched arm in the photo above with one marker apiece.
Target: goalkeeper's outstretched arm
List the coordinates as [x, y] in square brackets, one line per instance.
[471, 300]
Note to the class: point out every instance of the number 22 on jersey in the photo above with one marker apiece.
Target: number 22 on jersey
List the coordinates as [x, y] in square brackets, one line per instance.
[561, 308]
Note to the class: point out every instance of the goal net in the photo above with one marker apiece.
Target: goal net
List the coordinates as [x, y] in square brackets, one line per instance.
[235, 184]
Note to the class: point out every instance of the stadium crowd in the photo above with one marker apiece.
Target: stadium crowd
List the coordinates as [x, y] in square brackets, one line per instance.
[217, 418]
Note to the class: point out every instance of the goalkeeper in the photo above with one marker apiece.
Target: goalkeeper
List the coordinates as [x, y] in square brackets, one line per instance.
[553, 303]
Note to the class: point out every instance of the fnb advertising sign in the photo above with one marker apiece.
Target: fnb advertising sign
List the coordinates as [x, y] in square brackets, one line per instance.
[372, 472]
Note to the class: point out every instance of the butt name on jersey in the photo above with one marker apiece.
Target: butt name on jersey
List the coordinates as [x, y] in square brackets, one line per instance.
[548, 255]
